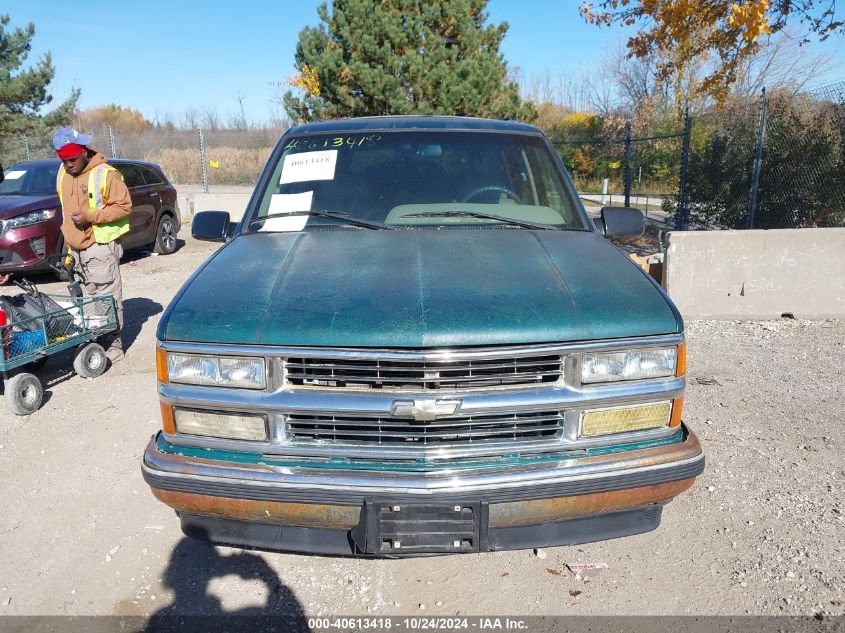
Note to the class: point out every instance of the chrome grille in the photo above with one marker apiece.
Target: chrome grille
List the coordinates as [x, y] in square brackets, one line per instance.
[459, 431]
[422, 374]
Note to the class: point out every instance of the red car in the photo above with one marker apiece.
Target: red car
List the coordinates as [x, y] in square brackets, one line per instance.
[31, 216]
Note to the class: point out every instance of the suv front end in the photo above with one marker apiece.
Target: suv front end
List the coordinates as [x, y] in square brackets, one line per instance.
[341, 467]
[441, 376]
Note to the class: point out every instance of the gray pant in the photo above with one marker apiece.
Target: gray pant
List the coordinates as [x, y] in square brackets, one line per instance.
[99, 265]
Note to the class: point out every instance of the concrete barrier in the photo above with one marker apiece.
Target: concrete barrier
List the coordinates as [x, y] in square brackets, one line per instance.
[757, 274]
[234, 203]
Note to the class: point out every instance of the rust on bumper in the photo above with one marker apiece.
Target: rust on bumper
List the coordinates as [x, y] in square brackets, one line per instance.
[346, 517]
[301, 514]
[561, 508]
[261, 493]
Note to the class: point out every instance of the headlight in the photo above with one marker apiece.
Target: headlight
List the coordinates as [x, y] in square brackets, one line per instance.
[216, 371]
[624, 419]
[34, 217]
[234, 427]
[635, 364]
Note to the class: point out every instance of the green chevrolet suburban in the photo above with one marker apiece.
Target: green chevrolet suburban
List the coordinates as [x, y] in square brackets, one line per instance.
[416, 341]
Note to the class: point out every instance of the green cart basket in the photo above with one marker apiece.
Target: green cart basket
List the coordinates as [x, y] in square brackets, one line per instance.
[26, 344]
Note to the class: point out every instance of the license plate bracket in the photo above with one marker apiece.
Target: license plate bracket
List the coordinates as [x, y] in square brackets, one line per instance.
[403, 529]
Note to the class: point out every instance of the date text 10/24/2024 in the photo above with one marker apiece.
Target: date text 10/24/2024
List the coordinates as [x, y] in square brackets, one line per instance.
[418, 623]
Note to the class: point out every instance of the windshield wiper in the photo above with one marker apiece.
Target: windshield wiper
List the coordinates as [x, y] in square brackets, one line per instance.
[487, 216]
[340, 216]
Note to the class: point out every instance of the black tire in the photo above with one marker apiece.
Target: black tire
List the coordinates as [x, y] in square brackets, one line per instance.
[165, 243]
[90, 361]
[24, 393]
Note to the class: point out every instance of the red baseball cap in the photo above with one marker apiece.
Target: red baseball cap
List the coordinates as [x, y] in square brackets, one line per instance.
[70, 150]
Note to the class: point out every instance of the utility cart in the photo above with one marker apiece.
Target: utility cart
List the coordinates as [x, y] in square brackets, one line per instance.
[34, 326]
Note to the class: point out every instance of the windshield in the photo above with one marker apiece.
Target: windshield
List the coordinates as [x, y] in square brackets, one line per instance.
[407, 179]
[23, 180]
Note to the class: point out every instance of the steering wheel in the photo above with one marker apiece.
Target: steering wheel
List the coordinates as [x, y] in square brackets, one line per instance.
[479, 190]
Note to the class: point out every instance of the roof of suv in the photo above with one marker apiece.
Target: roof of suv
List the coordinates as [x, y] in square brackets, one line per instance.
[394, 122]
[47, 162]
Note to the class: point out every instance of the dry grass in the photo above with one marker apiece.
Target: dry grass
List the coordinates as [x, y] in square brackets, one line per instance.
[235, 166]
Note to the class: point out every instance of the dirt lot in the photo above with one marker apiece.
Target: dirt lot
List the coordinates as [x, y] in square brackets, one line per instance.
[761, 532]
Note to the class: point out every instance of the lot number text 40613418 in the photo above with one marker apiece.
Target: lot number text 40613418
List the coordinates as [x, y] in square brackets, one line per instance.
[417, 623]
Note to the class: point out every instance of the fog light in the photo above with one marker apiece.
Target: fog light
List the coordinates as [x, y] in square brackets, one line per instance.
[38, 247]
[233, 427]
[624, 419]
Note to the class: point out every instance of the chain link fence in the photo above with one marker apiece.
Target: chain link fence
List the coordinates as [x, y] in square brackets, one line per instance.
[778, 162]
[197, 160]
[802, 176]
[207, 160]
[717, 182]
[641, 172]
[19, 149]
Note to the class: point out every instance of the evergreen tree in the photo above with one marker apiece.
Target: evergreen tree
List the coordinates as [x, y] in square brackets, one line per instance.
[371, 57]
[24, 92]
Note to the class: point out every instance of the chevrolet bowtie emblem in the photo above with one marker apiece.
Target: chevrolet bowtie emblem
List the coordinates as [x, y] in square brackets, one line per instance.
[424, 410]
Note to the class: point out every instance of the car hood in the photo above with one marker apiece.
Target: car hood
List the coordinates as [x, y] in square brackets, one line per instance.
[11, 206]
[417, 288]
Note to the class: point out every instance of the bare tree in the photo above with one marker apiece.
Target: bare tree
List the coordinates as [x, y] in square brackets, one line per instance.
[191, 118]
[164, 120]
[278, 118]
[566, 92]
[211, 118]
[542, 88]
[635, 78]
[780, 64]
[238, 119]
[784, 64]
[604, 94]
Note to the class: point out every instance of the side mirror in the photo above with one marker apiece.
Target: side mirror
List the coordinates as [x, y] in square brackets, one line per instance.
[621, 222]
[212, 226]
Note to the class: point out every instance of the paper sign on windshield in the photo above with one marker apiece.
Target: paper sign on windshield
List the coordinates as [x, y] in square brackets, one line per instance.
[14, 175]
[309, 166]
[284, 203]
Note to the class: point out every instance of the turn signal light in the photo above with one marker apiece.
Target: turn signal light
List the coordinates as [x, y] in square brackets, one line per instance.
[161, 366]
[167, 422]
[681, 363]
[677, 409]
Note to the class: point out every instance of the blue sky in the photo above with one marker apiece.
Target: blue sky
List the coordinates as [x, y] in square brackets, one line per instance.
[161, 56]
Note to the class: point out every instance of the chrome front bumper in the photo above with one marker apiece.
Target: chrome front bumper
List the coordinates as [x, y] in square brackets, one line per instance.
[280, 507]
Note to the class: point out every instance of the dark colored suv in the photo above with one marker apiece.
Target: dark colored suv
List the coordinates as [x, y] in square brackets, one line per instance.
[416, 341]
[31, 216]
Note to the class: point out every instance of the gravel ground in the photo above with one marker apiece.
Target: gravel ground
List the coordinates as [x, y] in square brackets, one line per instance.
[761, 532]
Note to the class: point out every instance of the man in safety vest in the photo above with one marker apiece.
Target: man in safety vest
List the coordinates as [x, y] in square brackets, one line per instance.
[95, 210]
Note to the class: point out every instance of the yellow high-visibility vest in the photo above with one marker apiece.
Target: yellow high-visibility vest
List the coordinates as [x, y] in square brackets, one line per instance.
[97, 197]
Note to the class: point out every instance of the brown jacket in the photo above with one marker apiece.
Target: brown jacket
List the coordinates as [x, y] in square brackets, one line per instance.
[75, 199]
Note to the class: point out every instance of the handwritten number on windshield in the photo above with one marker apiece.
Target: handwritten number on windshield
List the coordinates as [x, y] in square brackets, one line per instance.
[306, 144]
